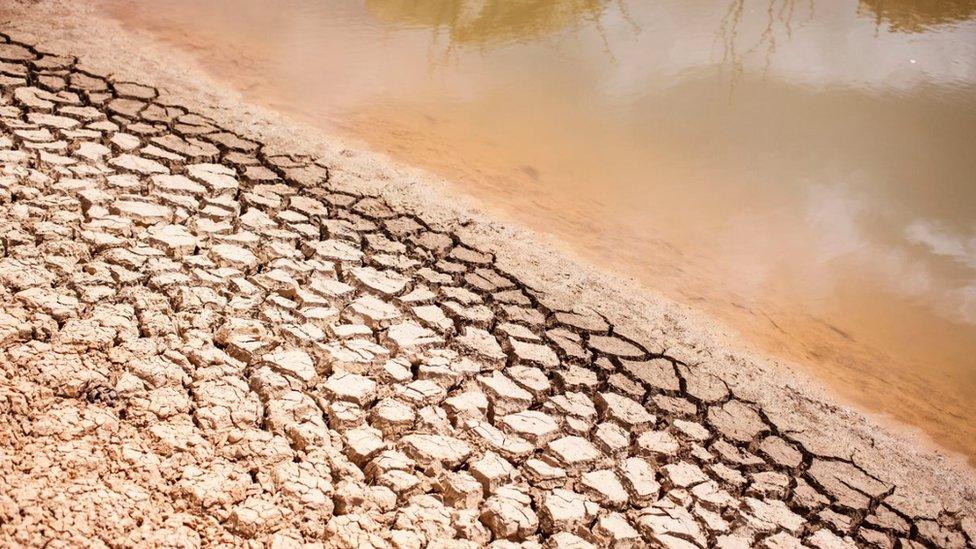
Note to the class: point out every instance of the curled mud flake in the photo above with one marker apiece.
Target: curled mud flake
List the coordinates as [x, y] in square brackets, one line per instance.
[87, 82]
[536, 427]
[351, 387]
[737, 421]
[781, 452]
[671, 525]
[470, 255]
[53, 62]
[126, 107]
[772, 515]
[564, 510]
[825, 539]
[306, 176]
[574, 452]
[408, 337]
[53, 121]
[481, 343]
[615, 346]
[702, 385]
[614, 530]
[41, 100]
[533, 353]
[504, 394]
[15, 52]
[486, 435]
[629, 414]
[133, 90]
[657, 373]
[190, 148]
[509, 514]
[884, 518]
[604, 487]
[850, 487]
[436, 448]
[233, 142]
[584, 322]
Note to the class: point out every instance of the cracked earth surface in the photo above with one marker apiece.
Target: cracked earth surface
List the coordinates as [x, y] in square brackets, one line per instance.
[203, 342]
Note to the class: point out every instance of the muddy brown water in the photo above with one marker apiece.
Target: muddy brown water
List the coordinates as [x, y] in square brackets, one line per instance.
[803, 171]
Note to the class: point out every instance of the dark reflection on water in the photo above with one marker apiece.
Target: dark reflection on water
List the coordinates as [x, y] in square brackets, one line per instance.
[485, 22]
[916, 15]
[803, 170]
[780, 18]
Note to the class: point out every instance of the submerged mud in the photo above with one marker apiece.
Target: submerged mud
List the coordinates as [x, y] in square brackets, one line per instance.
[207, 341]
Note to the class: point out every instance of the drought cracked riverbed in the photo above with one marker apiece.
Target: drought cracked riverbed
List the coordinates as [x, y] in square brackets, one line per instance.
[816, 199]
[208, 338]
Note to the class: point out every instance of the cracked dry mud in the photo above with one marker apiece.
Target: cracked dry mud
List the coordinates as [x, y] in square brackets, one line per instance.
[202, 343]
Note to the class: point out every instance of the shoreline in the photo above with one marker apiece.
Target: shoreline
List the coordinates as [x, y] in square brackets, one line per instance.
[844, 352]
[415, 190]
[419, 190]
[787, 397]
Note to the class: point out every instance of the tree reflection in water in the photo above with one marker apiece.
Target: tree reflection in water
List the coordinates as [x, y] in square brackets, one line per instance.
[779, 18]
[917, 15]
[487, 22]
[783, 16]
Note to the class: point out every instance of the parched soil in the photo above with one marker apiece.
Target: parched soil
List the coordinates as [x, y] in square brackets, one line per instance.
[203, 342]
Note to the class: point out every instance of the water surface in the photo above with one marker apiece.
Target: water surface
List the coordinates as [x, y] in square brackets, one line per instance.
[803, 170]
